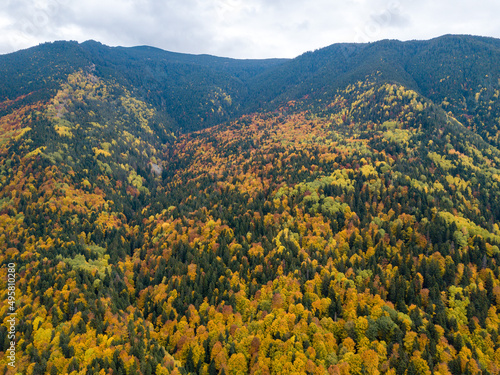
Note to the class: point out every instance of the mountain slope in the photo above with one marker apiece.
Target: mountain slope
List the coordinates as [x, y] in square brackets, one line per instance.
[347, 226]
[200, 91]
[458, 72]
[315, 231]
[195, 91]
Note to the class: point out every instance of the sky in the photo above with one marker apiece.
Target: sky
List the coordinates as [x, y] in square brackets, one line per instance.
[240, 28]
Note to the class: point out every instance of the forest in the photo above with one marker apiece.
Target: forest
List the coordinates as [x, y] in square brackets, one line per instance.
[199, 221]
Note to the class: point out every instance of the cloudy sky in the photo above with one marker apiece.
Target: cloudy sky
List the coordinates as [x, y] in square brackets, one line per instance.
[240, 28]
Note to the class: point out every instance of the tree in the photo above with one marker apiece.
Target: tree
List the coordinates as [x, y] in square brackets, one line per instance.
[237, 364]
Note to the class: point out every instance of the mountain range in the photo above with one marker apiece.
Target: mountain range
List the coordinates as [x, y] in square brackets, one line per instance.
[335, 213]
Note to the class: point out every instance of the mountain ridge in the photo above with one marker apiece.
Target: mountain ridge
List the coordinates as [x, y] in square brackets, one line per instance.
[246, 81]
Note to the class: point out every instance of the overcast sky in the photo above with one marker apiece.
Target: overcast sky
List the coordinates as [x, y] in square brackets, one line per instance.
[240, 28]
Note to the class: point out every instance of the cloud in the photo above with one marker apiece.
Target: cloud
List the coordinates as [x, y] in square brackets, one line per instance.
[239, 28]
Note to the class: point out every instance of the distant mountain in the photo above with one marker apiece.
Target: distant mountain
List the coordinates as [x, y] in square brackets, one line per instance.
[196, 91]
[451, 67]
[336, 213]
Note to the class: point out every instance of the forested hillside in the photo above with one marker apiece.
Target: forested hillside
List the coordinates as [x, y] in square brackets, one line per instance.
[197, 91]
[341, 216]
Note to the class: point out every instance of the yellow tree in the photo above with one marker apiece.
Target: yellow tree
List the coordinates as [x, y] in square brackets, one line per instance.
[237, 364]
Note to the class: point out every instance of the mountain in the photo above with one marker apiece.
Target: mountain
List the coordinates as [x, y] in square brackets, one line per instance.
[336, 213]
[193, 90]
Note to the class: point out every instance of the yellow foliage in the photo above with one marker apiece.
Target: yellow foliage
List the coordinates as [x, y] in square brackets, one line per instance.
[98, 152]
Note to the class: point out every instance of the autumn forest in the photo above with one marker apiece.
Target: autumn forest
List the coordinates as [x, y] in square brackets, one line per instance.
[336, 213]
